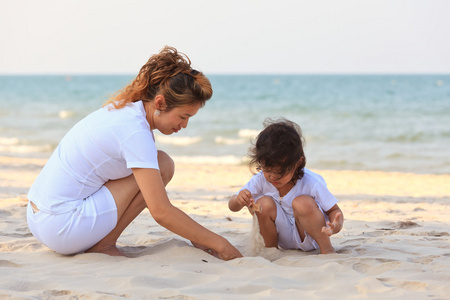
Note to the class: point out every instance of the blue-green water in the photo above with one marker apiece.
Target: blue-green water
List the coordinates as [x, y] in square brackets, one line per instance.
[395, 123]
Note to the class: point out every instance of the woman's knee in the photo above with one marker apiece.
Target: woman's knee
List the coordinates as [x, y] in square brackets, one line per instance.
[166, 166]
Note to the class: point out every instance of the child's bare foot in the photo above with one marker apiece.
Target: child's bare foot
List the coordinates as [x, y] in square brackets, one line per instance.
[111, 250]
[327, 251]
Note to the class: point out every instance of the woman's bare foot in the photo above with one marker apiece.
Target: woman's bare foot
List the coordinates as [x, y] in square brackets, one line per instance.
[111, 250]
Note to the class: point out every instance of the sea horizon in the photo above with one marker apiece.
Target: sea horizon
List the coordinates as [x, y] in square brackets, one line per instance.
[373, 122]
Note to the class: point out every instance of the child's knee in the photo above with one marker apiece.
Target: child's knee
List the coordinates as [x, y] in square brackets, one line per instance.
[304, 204]
[268, 207]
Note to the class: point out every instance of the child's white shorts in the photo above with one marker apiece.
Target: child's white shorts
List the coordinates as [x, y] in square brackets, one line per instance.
[78, 230]
[288, 236]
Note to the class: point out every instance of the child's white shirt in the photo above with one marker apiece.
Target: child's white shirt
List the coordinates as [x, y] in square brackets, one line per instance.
[312, 184]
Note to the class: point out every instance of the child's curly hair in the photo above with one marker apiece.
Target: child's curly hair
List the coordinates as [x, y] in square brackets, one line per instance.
[279, 147]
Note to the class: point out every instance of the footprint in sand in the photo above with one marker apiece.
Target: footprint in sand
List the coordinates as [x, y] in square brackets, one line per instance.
[375, 266]
[8, 264]
[424, 259]
[406, 225]
[4, 214]
[407, 285]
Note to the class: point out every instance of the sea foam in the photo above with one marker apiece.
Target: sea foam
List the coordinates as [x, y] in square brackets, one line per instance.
[64, 114]
[25, 148]
[209, 160]
[177, 141]
[248, 133]
[8, 141]
[229, 141]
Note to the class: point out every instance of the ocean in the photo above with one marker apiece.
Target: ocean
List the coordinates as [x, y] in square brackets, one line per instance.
[391, 123]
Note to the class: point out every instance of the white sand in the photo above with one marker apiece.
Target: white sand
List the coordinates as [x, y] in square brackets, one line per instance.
[395, 243]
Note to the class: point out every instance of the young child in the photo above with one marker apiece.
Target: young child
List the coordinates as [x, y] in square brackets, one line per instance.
[296, 210]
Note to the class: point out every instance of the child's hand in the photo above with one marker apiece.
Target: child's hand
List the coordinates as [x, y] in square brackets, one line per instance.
[245, 198]
[334, 226]
[255, 207]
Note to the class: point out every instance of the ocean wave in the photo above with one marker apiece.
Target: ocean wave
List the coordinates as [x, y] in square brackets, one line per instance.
[9, 141]
[228, 141]
[248, 133]
[210, 160]
[25, 148]
[177, 141]
[409, 137]
[64, 114]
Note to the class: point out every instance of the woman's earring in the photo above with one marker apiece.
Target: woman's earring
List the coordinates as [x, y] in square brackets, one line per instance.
[157, 112]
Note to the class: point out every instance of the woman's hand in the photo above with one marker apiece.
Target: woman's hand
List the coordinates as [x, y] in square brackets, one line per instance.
[204, 248]
[175, 220]
[230, 251]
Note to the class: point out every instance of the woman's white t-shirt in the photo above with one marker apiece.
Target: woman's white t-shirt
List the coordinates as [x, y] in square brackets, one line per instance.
[103, 146]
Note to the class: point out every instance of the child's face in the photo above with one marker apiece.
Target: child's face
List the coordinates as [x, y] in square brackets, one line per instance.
[276, 179]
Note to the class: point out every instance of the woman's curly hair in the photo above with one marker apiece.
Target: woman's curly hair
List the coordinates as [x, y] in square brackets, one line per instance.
[279, 147]
[170, 74]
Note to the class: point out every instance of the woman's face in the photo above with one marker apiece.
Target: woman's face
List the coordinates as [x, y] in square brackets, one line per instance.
[172, 121]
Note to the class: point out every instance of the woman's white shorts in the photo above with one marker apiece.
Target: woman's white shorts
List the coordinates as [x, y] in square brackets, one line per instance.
[288, 235]
[78, 230]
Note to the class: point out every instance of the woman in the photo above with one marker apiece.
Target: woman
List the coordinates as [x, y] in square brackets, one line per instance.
[106, 169]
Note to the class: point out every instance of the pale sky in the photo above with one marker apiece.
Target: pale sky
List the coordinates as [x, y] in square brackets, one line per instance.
[226, 36]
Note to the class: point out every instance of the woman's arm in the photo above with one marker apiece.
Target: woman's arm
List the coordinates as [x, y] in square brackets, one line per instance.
[172, 218]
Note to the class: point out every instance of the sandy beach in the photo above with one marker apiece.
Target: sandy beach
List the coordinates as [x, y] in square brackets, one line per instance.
[395, 243]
